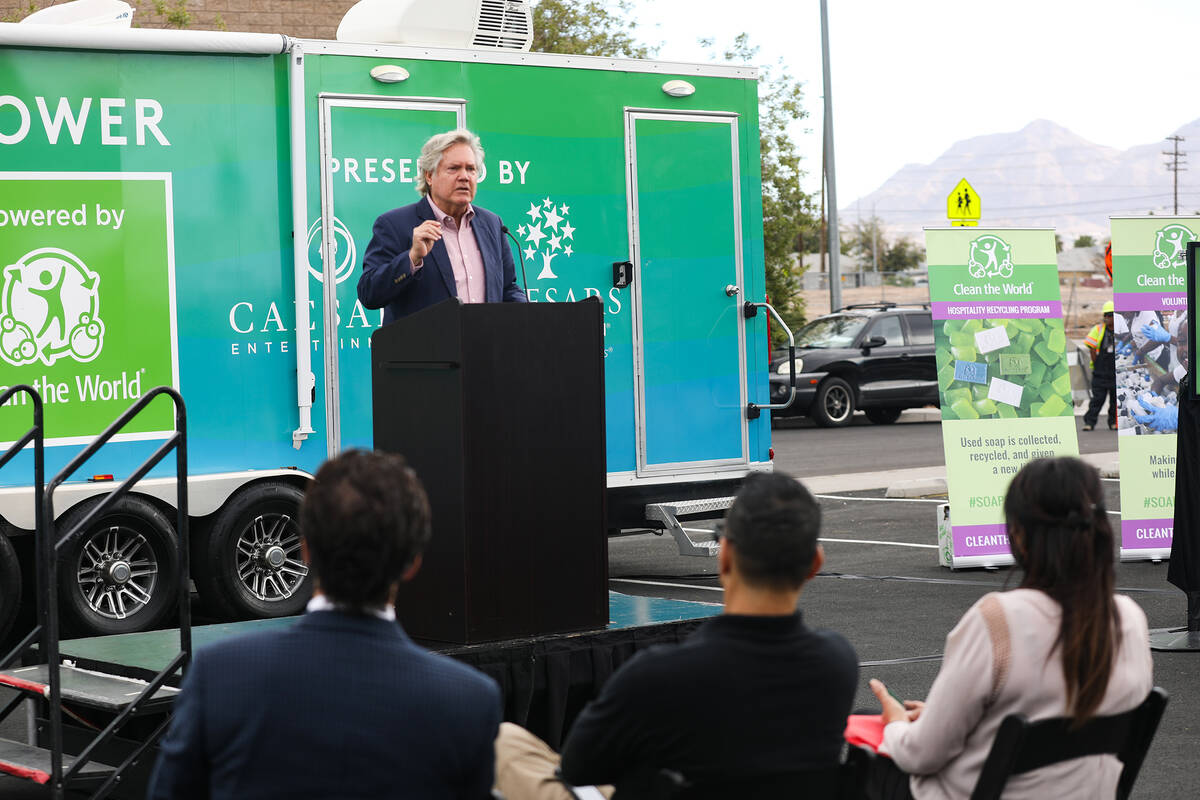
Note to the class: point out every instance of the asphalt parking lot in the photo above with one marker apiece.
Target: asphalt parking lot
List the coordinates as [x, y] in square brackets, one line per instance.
[883, 589]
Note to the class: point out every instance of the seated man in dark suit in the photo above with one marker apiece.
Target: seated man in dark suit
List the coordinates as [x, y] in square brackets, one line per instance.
[341, 703]
[751, 704]
[441, 246]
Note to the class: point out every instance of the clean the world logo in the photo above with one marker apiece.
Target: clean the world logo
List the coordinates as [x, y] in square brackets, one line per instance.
[990, 257]
[1170, 245]
[548, 234]
[50, 309]
[343, 244]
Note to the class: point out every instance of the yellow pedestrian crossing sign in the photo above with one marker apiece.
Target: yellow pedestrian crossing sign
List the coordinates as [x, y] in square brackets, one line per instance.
[963, 205]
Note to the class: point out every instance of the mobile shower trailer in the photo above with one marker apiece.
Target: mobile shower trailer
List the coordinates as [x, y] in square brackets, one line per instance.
[191, 209]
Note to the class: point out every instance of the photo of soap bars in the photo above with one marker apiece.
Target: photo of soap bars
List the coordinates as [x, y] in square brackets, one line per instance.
[1002, 368]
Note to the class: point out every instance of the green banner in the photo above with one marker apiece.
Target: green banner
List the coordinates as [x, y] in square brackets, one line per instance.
[1150, 329]
[1003, 380]
[87, 300]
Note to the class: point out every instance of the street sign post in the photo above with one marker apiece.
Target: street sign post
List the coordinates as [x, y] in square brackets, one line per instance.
[963, 206]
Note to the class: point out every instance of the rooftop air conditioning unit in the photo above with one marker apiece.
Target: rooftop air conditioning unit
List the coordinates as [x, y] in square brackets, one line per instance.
[84, 12]
[488, 24]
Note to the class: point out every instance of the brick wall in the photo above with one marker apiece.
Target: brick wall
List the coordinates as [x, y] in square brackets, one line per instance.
[309, 19]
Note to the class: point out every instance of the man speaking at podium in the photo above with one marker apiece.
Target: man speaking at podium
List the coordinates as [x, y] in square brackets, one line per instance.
[441, 246]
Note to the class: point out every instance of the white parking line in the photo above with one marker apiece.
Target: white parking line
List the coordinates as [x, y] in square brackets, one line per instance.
[873, 541]
[880, 499]
[898, 500]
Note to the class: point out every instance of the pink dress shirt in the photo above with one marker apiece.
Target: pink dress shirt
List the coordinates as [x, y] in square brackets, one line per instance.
[465, 259]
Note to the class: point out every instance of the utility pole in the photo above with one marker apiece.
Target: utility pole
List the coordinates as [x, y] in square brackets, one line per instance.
[1175, 165]
[835, 249]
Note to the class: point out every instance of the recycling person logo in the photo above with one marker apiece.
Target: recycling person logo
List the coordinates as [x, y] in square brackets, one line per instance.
[990, 257]
[1170, 244]
[548, 222]
[50, 309]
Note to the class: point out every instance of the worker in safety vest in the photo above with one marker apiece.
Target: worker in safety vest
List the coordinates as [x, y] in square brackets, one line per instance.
[1104, 371]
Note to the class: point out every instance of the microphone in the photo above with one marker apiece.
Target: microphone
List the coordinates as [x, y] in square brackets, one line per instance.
[504, 229]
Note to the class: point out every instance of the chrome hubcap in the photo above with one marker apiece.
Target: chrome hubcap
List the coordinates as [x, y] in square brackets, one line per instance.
[268, 558]
[117, 572]
[837, 403]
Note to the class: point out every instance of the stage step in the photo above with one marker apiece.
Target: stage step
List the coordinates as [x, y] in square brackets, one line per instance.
[87, 688]
[691, 541]
[33, 763]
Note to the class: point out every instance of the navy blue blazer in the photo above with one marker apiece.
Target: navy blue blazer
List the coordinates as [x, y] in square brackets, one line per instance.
[333, 706]
[389, 282]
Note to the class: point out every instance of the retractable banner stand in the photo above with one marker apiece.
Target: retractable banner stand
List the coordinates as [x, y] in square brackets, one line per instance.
[1002, 375]
[1150, 328]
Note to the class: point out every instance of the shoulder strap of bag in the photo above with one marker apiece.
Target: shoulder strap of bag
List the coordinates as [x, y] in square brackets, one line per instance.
[997, 626]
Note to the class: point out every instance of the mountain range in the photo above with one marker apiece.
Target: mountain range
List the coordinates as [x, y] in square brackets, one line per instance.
[1041, 175]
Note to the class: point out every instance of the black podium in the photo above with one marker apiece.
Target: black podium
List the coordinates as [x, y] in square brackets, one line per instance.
[499, 407]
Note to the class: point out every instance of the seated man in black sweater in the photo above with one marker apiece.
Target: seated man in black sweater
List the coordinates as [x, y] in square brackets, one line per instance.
[753, 696]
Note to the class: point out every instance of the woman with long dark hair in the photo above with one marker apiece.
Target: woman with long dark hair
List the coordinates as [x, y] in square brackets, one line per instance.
[1060, 645]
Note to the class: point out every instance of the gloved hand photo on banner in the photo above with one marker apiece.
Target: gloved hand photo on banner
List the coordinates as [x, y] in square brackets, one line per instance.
[1160, 418]
[1151, 358]
[1155, 332]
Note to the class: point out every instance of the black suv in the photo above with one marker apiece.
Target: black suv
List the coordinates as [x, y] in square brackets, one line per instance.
[878, 357]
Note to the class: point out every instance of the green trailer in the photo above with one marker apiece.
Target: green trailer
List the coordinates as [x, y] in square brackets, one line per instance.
[190, 209]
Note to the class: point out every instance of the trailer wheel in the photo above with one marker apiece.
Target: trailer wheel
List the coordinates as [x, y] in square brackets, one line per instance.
[250, 565]
[121, 574]
[10, 586]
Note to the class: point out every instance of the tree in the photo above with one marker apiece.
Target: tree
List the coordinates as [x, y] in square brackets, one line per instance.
[586, 28]
[866, 240]
[901, 255]
[788, 218]
[1085, 240]
[1058, 243]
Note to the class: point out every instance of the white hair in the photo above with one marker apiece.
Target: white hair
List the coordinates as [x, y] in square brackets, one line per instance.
[436, 147]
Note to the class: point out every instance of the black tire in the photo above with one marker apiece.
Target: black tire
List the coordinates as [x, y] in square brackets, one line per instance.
[10, 586]
[248, 564]
[833, 407]
[883, 416]
[122, 573]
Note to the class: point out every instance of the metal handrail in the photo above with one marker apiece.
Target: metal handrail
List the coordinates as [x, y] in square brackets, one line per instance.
[753, 408]
[49, 548]
[37, 435]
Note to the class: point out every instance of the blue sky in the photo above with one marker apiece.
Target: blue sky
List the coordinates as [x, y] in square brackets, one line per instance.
[911, 77]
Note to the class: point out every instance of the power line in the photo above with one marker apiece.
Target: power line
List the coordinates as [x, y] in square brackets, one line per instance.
[1101, 201]
[1175, 165]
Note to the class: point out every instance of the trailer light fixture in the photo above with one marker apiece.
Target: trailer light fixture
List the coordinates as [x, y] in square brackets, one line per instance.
[812, 382]
[389, 73]
[679, 88]
[99, 478]
[771, 453]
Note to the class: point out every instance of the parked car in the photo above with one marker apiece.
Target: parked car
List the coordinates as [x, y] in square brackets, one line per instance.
[876, 357]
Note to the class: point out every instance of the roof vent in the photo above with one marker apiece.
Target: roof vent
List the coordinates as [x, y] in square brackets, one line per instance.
[503, 25]
[486, 24]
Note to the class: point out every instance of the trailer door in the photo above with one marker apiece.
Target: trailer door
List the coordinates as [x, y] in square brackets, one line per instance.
[686, 247]
[369, 149]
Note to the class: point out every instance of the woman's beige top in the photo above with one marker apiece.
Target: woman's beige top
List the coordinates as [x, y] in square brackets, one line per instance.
[945, 748]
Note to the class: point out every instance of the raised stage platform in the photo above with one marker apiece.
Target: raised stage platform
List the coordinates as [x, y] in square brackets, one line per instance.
[545, 680]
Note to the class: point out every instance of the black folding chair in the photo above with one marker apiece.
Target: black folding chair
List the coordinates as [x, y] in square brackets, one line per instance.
[1022, 746]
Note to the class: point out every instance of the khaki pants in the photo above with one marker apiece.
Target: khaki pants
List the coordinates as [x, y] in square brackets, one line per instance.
[525, 767]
